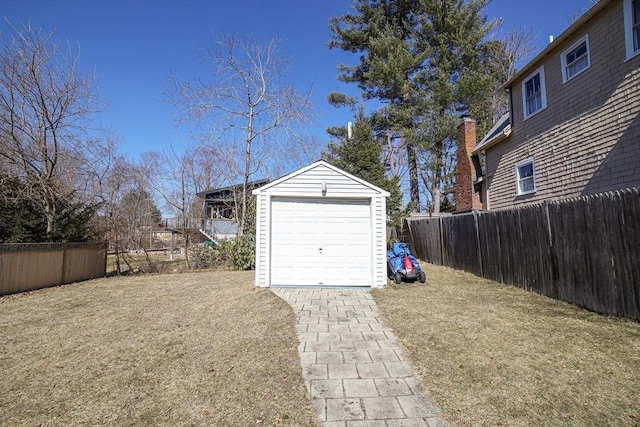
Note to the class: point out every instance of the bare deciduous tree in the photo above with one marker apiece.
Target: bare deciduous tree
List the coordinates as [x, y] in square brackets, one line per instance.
[249, 107]
[501, 59]
[110, 189]
[177, 177]
[45, 103]
[577, 13]
[127, 214]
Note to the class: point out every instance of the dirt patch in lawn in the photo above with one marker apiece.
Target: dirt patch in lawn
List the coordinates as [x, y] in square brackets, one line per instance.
[181, 349]
[491, 354]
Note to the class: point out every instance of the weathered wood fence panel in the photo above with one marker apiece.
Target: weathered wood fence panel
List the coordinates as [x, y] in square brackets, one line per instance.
[585, 251]
[597, 250]
[631, 251]
[514, 248]
[461, 243]
[30, 266]
[427, 241]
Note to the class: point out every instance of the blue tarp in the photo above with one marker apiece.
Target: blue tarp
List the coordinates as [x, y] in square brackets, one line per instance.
[395, 256]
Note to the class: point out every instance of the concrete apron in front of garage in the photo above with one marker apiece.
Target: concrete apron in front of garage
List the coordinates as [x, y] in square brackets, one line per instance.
[352, 364]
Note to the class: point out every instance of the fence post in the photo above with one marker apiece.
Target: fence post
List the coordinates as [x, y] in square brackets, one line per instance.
[64, 264]
[409, 234]
[106, 256]
[441, 241]
[552, 254]
[475, 222]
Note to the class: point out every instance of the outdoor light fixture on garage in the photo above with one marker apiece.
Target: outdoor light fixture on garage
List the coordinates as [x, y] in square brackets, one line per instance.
[337, 239]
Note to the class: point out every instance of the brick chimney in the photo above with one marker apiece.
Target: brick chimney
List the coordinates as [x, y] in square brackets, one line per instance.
[466, 198]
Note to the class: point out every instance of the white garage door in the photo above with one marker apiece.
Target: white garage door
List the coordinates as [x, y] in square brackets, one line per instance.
[320, 242]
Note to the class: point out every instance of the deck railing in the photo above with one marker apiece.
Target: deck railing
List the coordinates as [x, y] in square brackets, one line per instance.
[213, 228]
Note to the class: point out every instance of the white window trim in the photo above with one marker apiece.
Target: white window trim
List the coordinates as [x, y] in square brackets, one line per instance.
[543, 91]
[628, 29]
[563, 58]
[519, 165]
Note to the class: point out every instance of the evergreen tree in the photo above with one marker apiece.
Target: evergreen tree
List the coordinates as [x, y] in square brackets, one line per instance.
[361, 156]
[22, 220]
[423, 60]
[392, 56]
[457, 78]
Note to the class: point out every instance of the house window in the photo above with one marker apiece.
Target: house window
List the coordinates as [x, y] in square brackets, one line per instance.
[575, 59]
[526, 177]
[632, 27]
[534, 95]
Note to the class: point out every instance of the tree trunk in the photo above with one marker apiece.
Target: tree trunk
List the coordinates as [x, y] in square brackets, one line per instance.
[50, 214]
[436, 199]
[245, 185]
[413, 177]
[437, 177]
[247, 166]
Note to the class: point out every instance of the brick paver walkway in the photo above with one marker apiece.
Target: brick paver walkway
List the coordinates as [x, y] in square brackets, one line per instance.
[352, 364]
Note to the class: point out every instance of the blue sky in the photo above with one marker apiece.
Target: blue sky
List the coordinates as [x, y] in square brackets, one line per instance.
[134, 45]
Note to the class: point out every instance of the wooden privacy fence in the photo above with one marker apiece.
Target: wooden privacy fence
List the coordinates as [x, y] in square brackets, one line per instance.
[585, 251]
[29, 266]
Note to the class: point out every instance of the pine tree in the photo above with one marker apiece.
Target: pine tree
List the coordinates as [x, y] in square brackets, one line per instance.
[458, 81]
[423, 60]
[361, 156]
[20, 219]
[383, 31]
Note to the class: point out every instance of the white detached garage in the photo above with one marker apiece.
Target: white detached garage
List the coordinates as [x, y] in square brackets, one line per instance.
[320, 226]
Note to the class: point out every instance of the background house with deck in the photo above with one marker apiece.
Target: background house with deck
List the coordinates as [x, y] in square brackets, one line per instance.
[573, 128]
[219, 209]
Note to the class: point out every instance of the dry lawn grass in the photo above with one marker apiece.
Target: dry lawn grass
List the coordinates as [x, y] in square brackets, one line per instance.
[182, 349]
[495, 355]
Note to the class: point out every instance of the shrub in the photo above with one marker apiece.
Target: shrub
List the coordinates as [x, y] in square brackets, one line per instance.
[202, 257]
[239, 252]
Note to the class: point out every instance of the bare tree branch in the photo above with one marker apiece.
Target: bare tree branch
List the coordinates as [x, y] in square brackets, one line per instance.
[248, 104]
[45, 103]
